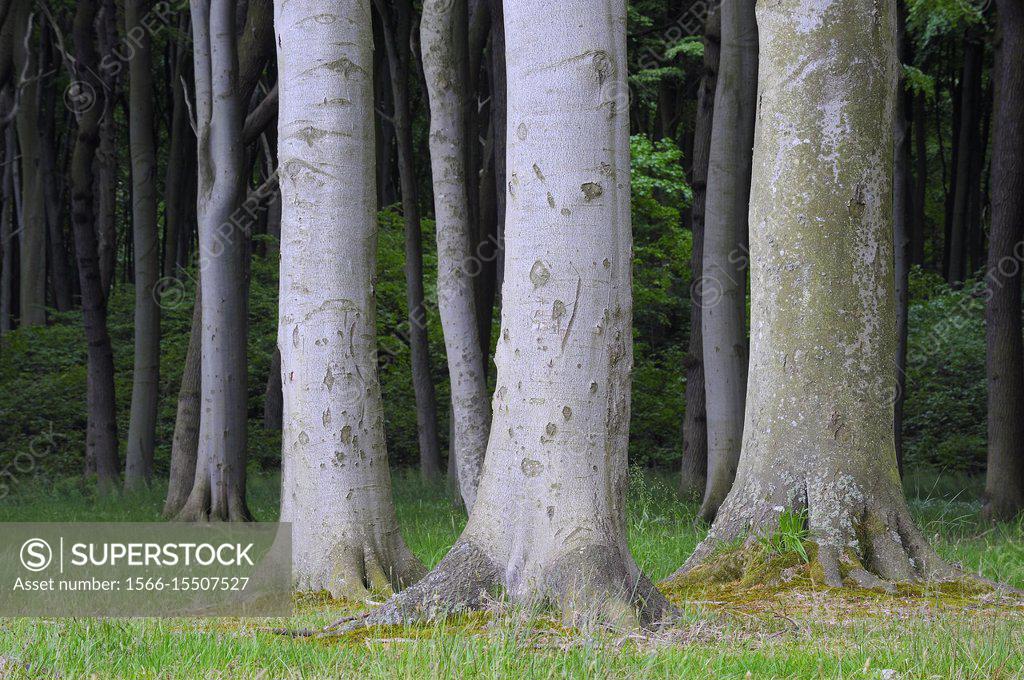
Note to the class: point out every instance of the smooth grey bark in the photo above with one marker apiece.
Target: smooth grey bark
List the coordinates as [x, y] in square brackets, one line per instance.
[396, 18]
[32, 234]
[336, 485]
[694, 466]
[724, 279]
[549, 521]
[145, 250]
[967, 135]
[819, 421]
[218, 491]
[226, 72]
[101, 429]
[185, 442]
[443, 29]
[1004, 480]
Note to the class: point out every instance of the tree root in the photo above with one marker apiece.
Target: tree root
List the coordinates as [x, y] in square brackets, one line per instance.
[461, 582]
[875, 545]
[359, 574]
[591, 587]
[198, 509]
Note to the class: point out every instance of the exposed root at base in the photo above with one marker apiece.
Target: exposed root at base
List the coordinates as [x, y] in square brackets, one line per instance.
[198, 509]
[462, 581]
[588, 587]
[360, 574]
[872, 545]
[752, 577]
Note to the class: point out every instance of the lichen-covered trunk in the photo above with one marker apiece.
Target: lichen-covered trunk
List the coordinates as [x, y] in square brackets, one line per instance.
[443, 36]
[218, 491]
[819, 422]
[336, 485]
[397, 19]
[101, 424]
[549, 523]
[694, 466]
[724, 281]
[146, 252]
[1004, 481]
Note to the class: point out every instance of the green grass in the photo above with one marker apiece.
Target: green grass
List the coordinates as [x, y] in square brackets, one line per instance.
[804, 636]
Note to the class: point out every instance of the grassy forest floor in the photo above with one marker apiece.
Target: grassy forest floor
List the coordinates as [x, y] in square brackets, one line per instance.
[783, 632]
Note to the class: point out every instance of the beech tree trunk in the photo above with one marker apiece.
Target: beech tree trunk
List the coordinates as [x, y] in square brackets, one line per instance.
[724, 282]
[443, 35]
[32, 235]
[917, 235]
[180, 160]
[902, 214]
[51, 179]
[226, 72]
[101, 432]
[967, 134]
[396, 17]
[819, 434]
[146, 252]
[107, 152]
[7, 220]
[185, 442]
[273, 400]
[549, 521]
[1004, 481]
[498, 131]
[694, 468]
[218, 491]
[335, 477]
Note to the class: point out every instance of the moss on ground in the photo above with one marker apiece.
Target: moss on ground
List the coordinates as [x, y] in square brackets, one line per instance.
[751, 577]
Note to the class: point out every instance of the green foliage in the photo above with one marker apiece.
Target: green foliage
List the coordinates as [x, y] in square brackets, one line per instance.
[917, 81]
[393, 332]
[789, 537]
[42, 380]
[945, 402]
[661, 302]
[690, 47]
[931, 21]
